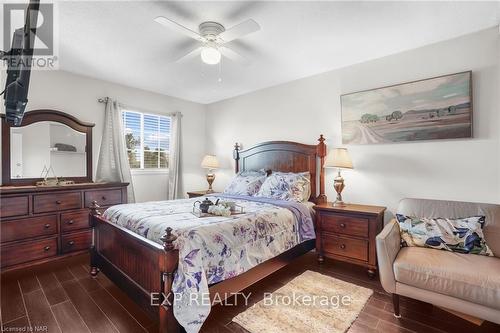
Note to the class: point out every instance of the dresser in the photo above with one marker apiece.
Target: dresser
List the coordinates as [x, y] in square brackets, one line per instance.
[348, 233]
[39, 224]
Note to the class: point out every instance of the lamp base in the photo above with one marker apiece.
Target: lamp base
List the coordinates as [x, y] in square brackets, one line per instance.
[210, 180]
[339, 185]
[338, 203]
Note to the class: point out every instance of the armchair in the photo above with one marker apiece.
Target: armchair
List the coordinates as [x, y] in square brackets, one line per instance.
[466, 283]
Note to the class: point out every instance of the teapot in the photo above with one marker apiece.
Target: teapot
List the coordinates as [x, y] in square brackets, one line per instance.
[204, 205]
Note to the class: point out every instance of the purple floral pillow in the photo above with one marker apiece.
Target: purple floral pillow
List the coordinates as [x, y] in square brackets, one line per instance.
[246, 183]
[287, 186]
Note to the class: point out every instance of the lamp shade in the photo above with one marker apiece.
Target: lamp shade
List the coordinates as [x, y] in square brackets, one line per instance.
[338, 158]
[210, 162]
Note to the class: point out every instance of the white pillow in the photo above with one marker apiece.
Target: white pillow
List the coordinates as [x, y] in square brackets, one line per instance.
[246, 183]
[287, 186]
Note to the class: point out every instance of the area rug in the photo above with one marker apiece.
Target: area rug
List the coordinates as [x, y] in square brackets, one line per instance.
[311, 302]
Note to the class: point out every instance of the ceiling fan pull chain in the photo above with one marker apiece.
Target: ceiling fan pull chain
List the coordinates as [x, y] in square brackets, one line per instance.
[220, 72]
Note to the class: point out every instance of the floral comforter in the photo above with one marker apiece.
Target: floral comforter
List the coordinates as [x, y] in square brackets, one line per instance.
[213, 249]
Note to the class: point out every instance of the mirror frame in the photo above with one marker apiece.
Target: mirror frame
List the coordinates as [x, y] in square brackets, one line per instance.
[35, 116]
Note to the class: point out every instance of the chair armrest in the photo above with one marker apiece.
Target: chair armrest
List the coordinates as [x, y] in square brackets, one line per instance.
[388, 245]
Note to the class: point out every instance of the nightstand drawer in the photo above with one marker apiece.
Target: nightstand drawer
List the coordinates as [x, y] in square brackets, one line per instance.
[347, 225]
[344, 246]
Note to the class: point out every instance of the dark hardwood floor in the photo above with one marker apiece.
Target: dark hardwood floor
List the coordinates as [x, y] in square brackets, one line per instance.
[62, 297]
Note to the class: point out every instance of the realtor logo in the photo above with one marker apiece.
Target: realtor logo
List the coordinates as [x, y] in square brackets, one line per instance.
[43, 42]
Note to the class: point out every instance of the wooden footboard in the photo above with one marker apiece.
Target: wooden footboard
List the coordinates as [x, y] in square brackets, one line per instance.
[141, 268]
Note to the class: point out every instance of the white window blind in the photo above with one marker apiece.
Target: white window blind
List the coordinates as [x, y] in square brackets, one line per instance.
[147, 137]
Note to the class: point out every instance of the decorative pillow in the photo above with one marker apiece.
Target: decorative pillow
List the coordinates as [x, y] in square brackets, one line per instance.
[287, 186]
[246, 183]
[260, 172]
[463, 235]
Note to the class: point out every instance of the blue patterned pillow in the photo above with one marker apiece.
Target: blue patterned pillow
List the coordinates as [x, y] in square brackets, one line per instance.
[246, 183]
[463, 235]
[287, 186]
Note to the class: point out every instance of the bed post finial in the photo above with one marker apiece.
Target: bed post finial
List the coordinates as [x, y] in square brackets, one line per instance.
[168, 239]
[321, 152]
[236, 156]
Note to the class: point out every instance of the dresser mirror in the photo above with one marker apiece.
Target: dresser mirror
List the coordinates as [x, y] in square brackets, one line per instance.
[48, 143]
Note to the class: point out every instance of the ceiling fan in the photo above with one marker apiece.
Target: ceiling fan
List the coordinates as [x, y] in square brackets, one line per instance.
[212, 37]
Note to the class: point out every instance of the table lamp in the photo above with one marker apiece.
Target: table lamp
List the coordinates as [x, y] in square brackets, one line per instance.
[338, 158]
[210, 162]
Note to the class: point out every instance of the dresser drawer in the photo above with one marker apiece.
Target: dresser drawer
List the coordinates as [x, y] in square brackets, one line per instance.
[14, 206]
[344, 246]
[76, 241]
[28, 227]
[54, 202]
[28, 251]
[347, 225]
[103, 197]
[74, 220]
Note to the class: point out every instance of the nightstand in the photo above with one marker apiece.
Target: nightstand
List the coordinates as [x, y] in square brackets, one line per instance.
[348, 233]
[195, 194]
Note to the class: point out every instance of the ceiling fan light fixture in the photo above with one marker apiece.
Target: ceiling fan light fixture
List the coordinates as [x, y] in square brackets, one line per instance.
[210, 55]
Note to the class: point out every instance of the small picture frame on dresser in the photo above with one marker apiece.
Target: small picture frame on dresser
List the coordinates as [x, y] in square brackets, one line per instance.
[348, 233]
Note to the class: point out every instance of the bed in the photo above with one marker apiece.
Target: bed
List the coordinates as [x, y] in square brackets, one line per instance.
[143, 261]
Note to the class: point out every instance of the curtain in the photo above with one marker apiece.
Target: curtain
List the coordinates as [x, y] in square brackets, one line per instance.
[112, 165]
[174, 188]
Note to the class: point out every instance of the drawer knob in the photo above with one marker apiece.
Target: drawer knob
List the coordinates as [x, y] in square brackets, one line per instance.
[71, 243]
[46, 248]
[103, 197]
[342, 246]
[46, 226]
[70, 222]
[58, 202]
[342, 225]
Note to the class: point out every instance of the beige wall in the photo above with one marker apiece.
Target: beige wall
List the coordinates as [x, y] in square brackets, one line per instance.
[384, 173]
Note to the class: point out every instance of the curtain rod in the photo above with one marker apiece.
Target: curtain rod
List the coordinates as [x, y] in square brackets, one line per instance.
[104, 100]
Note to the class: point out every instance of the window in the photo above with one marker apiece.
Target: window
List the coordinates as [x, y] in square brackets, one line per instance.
[147, 137]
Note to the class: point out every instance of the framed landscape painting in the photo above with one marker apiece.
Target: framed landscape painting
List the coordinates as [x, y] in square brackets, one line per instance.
[437, 108]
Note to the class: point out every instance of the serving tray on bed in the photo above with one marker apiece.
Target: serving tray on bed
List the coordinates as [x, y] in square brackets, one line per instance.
[200, 215]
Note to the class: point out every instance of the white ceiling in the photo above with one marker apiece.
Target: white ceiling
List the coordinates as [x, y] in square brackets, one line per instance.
[120, 42]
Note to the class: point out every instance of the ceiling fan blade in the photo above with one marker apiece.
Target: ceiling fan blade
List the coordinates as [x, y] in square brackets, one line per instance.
[239, 30]
[179, 28]
[233, 55]
[193, 54]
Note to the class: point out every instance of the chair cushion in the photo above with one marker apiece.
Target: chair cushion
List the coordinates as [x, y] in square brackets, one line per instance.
[472, 278]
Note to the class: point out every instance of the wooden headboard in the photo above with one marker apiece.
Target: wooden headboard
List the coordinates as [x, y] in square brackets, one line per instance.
[286, 156]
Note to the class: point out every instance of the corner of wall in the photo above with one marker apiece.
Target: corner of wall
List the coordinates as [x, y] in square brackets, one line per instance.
[498, 98]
